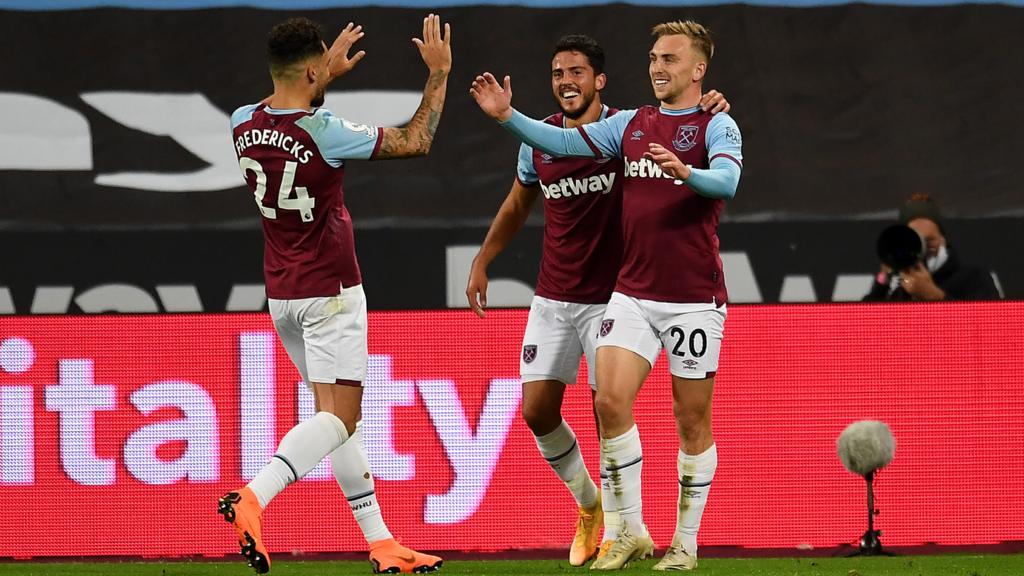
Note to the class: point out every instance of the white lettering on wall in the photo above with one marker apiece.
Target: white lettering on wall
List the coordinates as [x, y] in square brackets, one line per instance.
[123, 298]
[256, 396]
[42, 134]
[200, 461]
[17, 416]
[191, 120]
[76, 398]
[472, 455]
[381, 395]
[17, 435]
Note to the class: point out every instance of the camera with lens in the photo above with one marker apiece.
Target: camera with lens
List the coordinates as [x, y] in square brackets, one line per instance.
[900, 247]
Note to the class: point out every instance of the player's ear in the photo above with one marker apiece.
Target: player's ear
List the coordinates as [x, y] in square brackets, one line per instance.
[600, 81]
[311, 72]
[699, 71]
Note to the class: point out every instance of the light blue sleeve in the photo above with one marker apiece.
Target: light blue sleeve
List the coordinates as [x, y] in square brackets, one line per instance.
[525, 171]
[241, 115]
[607, 134]
[602, 138]
[724, 144]
[340, 140]
[719, 181]
[723, 138]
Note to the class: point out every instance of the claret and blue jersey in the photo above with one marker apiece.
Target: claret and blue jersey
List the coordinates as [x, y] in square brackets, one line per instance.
[299, 157]
[582, 221]
[671, 248]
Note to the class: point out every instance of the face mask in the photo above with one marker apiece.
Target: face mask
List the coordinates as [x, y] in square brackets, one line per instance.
[935, 262]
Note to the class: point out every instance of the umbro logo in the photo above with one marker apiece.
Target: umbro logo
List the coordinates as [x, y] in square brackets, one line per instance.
[637, 134]
[545, 158]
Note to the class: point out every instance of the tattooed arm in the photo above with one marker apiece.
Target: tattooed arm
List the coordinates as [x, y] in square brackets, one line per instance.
[415, 138]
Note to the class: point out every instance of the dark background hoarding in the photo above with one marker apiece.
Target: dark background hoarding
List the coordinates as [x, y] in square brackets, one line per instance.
[845, 110]
[192, 271]
[115, 129]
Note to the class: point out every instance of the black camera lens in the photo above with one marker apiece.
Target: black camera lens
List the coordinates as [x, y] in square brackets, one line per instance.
[900, 247]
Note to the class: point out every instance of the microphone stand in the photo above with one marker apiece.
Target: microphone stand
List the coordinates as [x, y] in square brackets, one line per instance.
[870, 542]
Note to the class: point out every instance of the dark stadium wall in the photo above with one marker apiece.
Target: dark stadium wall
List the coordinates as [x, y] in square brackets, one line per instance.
[845, 111]
[427, 268]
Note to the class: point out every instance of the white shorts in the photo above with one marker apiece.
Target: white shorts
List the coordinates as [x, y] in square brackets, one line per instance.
[325, 336]
[557, 335]
[690, 333]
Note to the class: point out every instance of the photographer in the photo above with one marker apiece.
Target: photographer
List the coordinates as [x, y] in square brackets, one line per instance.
[938, 274]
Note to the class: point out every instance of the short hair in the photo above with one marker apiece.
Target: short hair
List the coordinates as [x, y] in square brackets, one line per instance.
[584, 45]
[291, 42]
[699, 36]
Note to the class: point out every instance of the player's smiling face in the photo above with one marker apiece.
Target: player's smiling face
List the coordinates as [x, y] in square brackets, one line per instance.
[674, 67]
[574, 83]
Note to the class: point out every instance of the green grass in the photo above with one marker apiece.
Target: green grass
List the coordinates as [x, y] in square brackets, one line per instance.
[945, 565]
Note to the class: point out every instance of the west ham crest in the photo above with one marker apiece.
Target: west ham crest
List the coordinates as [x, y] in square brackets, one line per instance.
[686, 138]
[529, 353]
[606, 327]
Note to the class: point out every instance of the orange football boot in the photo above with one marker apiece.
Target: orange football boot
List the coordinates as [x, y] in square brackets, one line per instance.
[390, 557]
[588, 528]
[242, 510]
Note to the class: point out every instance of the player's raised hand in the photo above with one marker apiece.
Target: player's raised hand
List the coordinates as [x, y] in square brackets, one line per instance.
[714, 102]
[476, 290]
[493, 98]
[435, 49]
[339, 62]
[670, 164]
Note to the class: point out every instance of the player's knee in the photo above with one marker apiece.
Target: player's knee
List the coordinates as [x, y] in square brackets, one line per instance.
[691, 421]
[348, 419]
[540, 418]
[609, 407]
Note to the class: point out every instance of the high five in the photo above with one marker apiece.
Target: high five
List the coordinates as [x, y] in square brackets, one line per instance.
[292, 155]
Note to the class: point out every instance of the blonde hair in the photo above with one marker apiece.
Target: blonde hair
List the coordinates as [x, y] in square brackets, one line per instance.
[699, 36]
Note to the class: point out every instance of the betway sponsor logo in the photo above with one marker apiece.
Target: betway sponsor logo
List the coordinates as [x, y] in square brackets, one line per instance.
[646, 168]
[567, 187]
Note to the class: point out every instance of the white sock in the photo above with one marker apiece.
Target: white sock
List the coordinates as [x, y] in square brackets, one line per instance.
[562, 452]
[302, 448]
[352, 471]
[611, 513]
[695, 475]
[623, 459]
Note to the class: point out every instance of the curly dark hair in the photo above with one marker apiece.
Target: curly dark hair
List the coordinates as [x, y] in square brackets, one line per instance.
[584, 45]
[291, 42]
